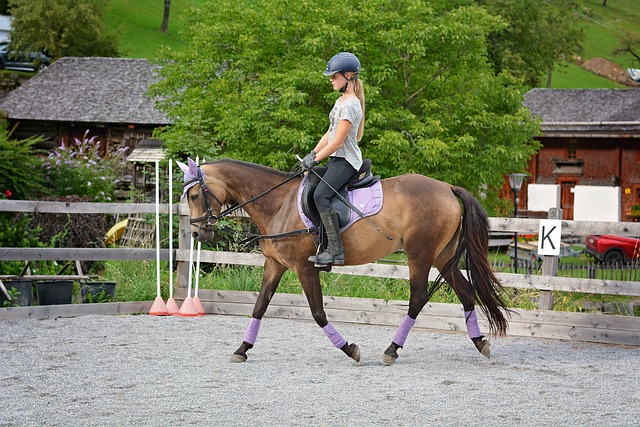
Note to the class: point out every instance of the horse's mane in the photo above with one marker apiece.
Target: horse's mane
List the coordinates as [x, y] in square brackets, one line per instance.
[262, 168]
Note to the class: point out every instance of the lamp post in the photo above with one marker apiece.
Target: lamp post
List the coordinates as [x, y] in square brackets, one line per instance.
[515, 181]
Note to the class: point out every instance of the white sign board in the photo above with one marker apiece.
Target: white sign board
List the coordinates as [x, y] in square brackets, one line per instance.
[542, 197]
[549, 237]
[595, 203]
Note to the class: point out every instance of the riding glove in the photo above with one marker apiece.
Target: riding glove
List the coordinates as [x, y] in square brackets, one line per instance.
[309, 161]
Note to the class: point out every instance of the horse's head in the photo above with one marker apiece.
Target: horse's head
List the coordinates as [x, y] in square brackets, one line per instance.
[205, 196]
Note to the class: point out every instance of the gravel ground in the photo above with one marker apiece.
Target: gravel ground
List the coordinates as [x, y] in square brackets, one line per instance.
[171, 371]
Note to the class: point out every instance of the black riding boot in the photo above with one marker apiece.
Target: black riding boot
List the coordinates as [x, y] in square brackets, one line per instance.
[335, 251]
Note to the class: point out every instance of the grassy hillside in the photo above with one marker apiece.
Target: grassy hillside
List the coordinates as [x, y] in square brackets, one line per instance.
[574, 77]
[138, 23]
[604, 27]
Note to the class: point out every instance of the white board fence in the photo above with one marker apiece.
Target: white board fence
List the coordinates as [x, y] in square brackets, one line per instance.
[592, 327]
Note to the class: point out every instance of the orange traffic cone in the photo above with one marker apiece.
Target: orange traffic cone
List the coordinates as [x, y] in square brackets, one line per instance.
[198, 304]
[172, 306]
[159, 308]
[188, 308]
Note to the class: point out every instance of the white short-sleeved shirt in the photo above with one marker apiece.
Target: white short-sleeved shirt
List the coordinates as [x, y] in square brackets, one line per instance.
[347, 109]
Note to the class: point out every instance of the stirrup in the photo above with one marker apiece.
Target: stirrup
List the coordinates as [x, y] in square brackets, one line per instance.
[335, 260]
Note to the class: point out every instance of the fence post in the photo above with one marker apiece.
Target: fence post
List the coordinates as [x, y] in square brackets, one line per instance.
[549, 267]
[184, 238]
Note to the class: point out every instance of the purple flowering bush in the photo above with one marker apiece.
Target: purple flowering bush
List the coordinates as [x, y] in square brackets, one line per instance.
[78, 168]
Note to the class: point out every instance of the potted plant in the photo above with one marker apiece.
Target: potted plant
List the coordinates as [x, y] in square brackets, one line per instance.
[20, 290]
[635, 211]
[53, 292]
[97, 291]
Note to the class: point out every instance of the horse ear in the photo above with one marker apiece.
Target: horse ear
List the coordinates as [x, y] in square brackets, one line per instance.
[193, 167]
[184, 168]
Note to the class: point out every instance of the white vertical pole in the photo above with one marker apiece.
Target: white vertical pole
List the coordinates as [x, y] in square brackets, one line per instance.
[190, 267]
[191, 255]
[195, 292]
[197, 285]
[170, 228]
[158, 226]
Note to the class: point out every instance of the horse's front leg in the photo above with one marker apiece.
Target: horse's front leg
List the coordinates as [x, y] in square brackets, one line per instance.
[271, 276]
[310, 281]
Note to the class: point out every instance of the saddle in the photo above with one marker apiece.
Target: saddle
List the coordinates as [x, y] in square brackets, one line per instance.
[361, 179]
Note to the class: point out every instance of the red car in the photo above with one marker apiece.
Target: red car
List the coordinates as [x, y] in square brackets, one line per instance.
[612, 249]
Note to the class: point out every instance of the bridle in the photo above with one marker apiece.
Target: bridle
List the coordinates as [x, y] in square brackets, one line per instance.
[211, 219]
[205, 195]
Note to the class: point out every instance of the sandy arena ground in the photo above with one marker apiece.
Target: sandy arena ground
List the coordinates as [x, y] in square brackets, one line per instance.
[171, 371]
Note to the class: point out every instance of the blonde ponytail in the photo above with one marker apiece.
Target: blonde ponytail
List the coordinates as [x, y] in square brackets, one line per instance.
[358, 88]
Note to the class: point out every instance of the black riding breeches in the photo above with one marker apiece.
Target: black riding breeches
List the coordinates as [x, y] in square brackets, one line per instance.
[339, 171]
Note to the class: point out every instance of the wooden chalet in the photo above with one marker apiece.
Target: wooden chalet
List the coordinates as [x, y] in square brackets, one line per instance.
[106, 96]
[590, 156]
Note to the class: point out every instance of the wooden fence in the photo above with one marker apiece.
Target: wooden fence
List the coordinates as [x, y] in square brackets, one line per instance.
[591, 327]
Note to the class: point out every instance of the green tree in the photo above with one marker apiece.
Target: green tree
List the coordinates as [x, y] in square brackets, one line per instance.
[62, 27]
[540, 34]
[250, 86]
[630, 45]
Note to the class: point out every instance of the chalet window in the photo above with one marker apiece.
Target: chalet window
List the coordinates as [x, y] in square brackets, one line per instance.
[572, 151]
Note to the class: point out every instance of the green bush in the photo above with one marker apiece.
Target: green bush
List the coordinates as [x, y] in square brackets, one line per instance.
[16, 231]
[20, 175]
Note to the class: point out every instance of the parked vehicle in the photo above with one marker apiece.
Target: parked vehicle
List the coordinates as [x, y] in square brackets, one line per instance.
[613, 249]
[22, 61]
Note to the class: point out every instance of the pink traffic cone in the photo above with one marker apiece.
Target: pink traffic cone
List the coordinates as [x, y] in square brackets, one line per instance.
[159, 308]
[188, 308]
[172, 306]
[198, 304]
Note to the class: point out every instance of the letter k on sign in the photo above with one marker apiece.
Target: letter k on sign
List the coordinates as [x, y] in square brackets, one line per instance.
[550, 235]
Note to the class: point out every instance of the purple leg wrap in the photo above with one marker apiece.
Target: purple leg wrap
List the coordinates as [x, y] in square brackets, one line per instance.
[334, 336]
[472, 324]
[403, 331]
[252, 331]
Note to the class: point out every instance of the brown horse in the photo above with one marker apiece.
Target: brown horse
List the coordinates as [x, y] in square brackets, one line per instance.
[420, 215]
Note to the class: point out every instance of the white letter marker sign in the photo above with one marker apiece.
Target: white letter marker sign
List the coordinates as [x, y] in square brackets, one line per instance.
[549, 237]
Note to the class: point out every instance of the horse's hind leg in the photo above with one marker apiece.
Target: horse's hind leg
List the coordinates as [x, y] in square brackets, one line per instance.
[271, 276]
[464, 291]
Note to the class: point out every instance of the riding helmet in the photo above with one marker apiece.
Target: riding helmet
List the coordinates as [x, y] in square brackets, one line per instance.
[342, 63]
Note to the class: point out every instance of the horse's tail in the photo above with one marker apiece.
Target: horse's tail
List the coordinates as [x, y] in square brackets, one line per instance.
[473, 243]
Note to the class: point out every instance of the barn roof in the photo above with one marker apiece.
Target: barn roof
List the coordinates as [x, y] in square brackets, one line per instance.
[603, 112]
[91, 90]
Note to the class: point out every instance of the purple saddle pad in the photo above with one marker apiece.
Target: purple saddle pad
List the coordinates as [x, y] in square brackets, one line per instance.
[367, 200]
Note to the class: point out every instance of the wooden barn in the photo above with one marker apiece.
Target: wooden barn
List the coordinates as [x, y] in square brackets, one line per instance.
[106, 96]
[589, 164]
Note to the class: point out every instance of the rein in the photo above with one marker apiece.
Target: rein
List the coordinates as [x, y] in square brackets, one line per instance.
[210, 215]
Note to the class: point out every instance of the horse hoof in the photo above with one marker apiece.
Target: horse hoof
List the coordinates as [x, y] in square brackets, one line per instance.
[238, 358]
[389, 359]
[483, 346]
[355, 352]
[485, 350]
